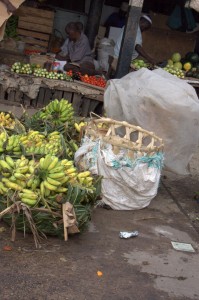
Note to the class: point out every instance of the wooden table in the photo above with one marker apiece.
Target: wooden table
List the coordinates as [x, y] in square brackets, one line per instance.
[37, 92]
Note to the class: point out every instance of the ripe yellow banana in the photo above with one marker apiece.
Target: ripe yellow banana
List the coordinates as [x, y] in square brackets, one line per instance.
[22, 170]
[58, 176]
[47, 161]
[28, 201]
[10, 161]
[71, 170]
[84, 174]
[77, 127]
[49, 186]
[57, 170]
[53, 181]
[61, 190]
[53, 163]
[20, 176]
[42, 189]
[11, 185]
[5, 165]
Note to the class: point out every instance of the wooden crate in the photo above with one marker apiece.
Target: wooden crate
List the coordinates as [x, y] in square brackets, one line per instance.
[35, 27]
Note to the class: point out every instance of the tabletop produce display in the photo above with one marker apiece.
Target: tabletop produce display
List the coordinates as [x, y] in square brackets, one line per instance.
[38, 175]
[37, 71]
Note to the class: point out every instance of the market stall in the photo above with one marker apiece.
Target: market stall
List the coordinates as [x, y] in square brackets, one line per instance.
[28, 90]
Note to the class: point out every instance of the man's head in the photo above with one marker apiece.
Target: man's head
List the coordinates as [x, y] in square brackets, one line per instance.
[123, 9]
[73, 30]
[145, 23]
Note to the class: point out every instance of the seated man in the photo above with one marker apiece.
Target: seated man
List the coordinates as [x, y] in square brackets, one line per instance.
[64, 48]
[77, 51]
[145, 24]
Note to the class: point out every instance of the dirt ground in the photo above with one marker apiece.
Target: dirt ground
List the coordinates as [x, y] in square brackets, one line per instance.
[146, 267]
[142, 268]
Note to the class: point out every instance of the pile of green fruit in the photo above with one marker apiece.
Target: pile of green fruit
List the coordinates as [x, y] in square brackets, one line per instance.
[137, 64]
[174, 71]
[174, 66]
[37, 71]
[189, 64]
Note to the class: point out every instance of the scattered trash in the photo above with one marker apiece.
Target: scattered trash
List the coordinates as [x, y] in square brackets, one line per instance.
[2, 229]
[182, 247]
[99, 274]
[7, 248]
[128, 235]
[63, 259]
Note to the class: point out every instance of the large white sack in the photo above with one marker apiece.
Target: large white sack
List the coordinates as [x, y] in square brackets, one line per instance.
[162, 103]
[127, 188]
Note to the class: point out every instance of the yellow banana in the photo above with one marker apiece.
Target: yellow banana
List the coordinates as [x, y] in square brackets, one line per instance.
[59, 175]
[42, 189]
[22, 170]
[12, 185]
[31, 169]
[20, 176]
[29, 196]
[30, 182]
[57, 170]
[71, 170]
[13, 179]
[5, 165]
[10, 161]
[53, 181]
[84, 174]
[64, 180]
[61, 190]
[49, 186]
[77, 127]
[41, 162]
[29, 202]
[47, 161]
[35, 184]
[53, 163]
[6, 174]
[21, 183]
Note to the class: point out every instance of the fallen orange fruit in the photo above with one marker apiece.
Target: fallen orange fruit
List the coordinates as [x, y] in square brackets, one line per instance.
[99, 273]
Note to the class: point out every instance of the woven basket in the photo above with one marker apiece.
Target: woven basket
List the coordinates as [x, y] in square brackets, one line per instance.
[137, 141]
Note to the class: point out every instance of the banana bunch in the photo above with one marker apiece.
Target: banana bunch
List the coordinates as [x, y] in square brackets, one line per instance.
[79, 126]
[85, 179]
[72, 176]
[13, 144]
[29, 197]
[3, 138]
[69, 170]
[52, 175]
[36, 143]
[15, 173]
[6, 120]
[58, 112]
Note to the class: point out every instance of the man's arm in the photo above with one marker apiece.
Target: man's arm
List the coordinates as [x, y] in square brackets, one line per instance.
[141, 52]
[10, 7]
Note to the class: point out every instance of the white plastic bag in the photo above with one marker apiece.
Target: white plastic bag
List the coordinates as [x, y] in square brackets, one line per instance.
[162, 103]
[128, 188]
[105, 49]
